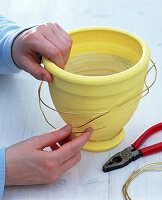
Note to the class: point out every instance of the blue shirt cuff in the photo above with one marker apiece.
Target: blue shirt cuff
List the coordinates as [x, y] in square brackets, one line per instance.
[11, 35]
[2, 171]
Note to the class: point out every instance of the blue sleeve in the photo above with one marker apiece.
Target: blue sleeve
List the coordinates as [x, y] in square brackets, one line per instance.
[8, 31]
[2, 171]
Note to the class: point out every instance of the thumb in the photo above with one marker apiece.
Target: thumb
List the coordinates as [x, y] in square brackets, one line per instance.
[52, 137]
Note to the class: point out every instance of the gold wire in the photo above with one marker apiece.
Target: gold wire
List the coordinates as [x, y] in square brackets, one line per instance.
[100, 114]
[147, 167]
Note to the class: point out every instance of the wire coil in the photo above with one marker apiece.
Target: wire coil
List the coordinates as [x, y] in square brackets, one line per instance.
[148, 167]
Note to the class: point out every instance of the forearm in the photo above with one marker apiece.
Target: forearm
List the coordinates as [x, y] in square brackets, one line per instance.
[2, 171]
[8, 32]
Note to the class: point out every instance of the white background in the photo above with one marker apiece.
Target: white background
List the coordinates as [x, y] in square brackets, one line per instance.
[20, 117]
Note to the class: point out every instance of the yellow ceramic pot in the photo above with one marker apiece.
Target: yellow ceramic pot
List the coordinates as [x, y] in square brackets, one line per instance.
[93, 94]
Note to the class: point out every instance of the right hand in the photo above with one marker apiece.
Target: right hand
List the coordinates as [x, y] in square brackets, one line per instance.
[50, 40]
[27, 163]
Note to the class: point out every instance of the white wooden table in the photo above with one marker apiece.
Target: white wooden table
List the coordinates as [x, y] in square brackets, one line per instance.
[20, 117]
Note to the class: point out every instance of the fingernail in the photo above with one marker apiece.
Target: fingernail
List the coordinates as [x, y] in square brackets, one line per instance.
[67, 127]
[45, 78]
[89, 130]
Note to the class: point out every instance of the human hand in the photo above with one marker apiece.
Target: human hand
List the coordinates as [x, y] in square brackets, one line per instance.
[27, 163]
[48, 39]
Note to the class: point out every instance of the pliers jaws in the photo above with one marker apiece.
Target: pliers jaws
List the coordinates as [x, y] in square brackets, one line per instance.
[122, 159]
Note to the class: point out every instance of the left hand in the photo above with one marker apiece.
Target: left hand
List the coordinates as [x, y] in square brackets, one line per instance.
[48, 39]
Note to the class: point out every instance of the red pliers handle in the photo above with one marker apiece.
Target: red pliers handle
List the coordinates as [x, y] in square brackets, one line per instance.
[143, 137]
[132, 153]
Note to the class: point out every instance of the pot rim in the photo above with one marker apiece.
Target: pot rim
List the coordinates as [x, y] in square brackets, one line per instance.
[98, 80]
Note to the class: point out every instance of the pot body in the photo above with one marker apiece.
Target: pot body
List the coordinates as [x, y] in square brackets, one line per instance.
[94, 94]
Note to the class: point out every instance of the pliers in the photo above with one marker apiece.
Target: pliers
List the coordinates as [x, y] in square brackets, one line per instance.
[132, 153]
